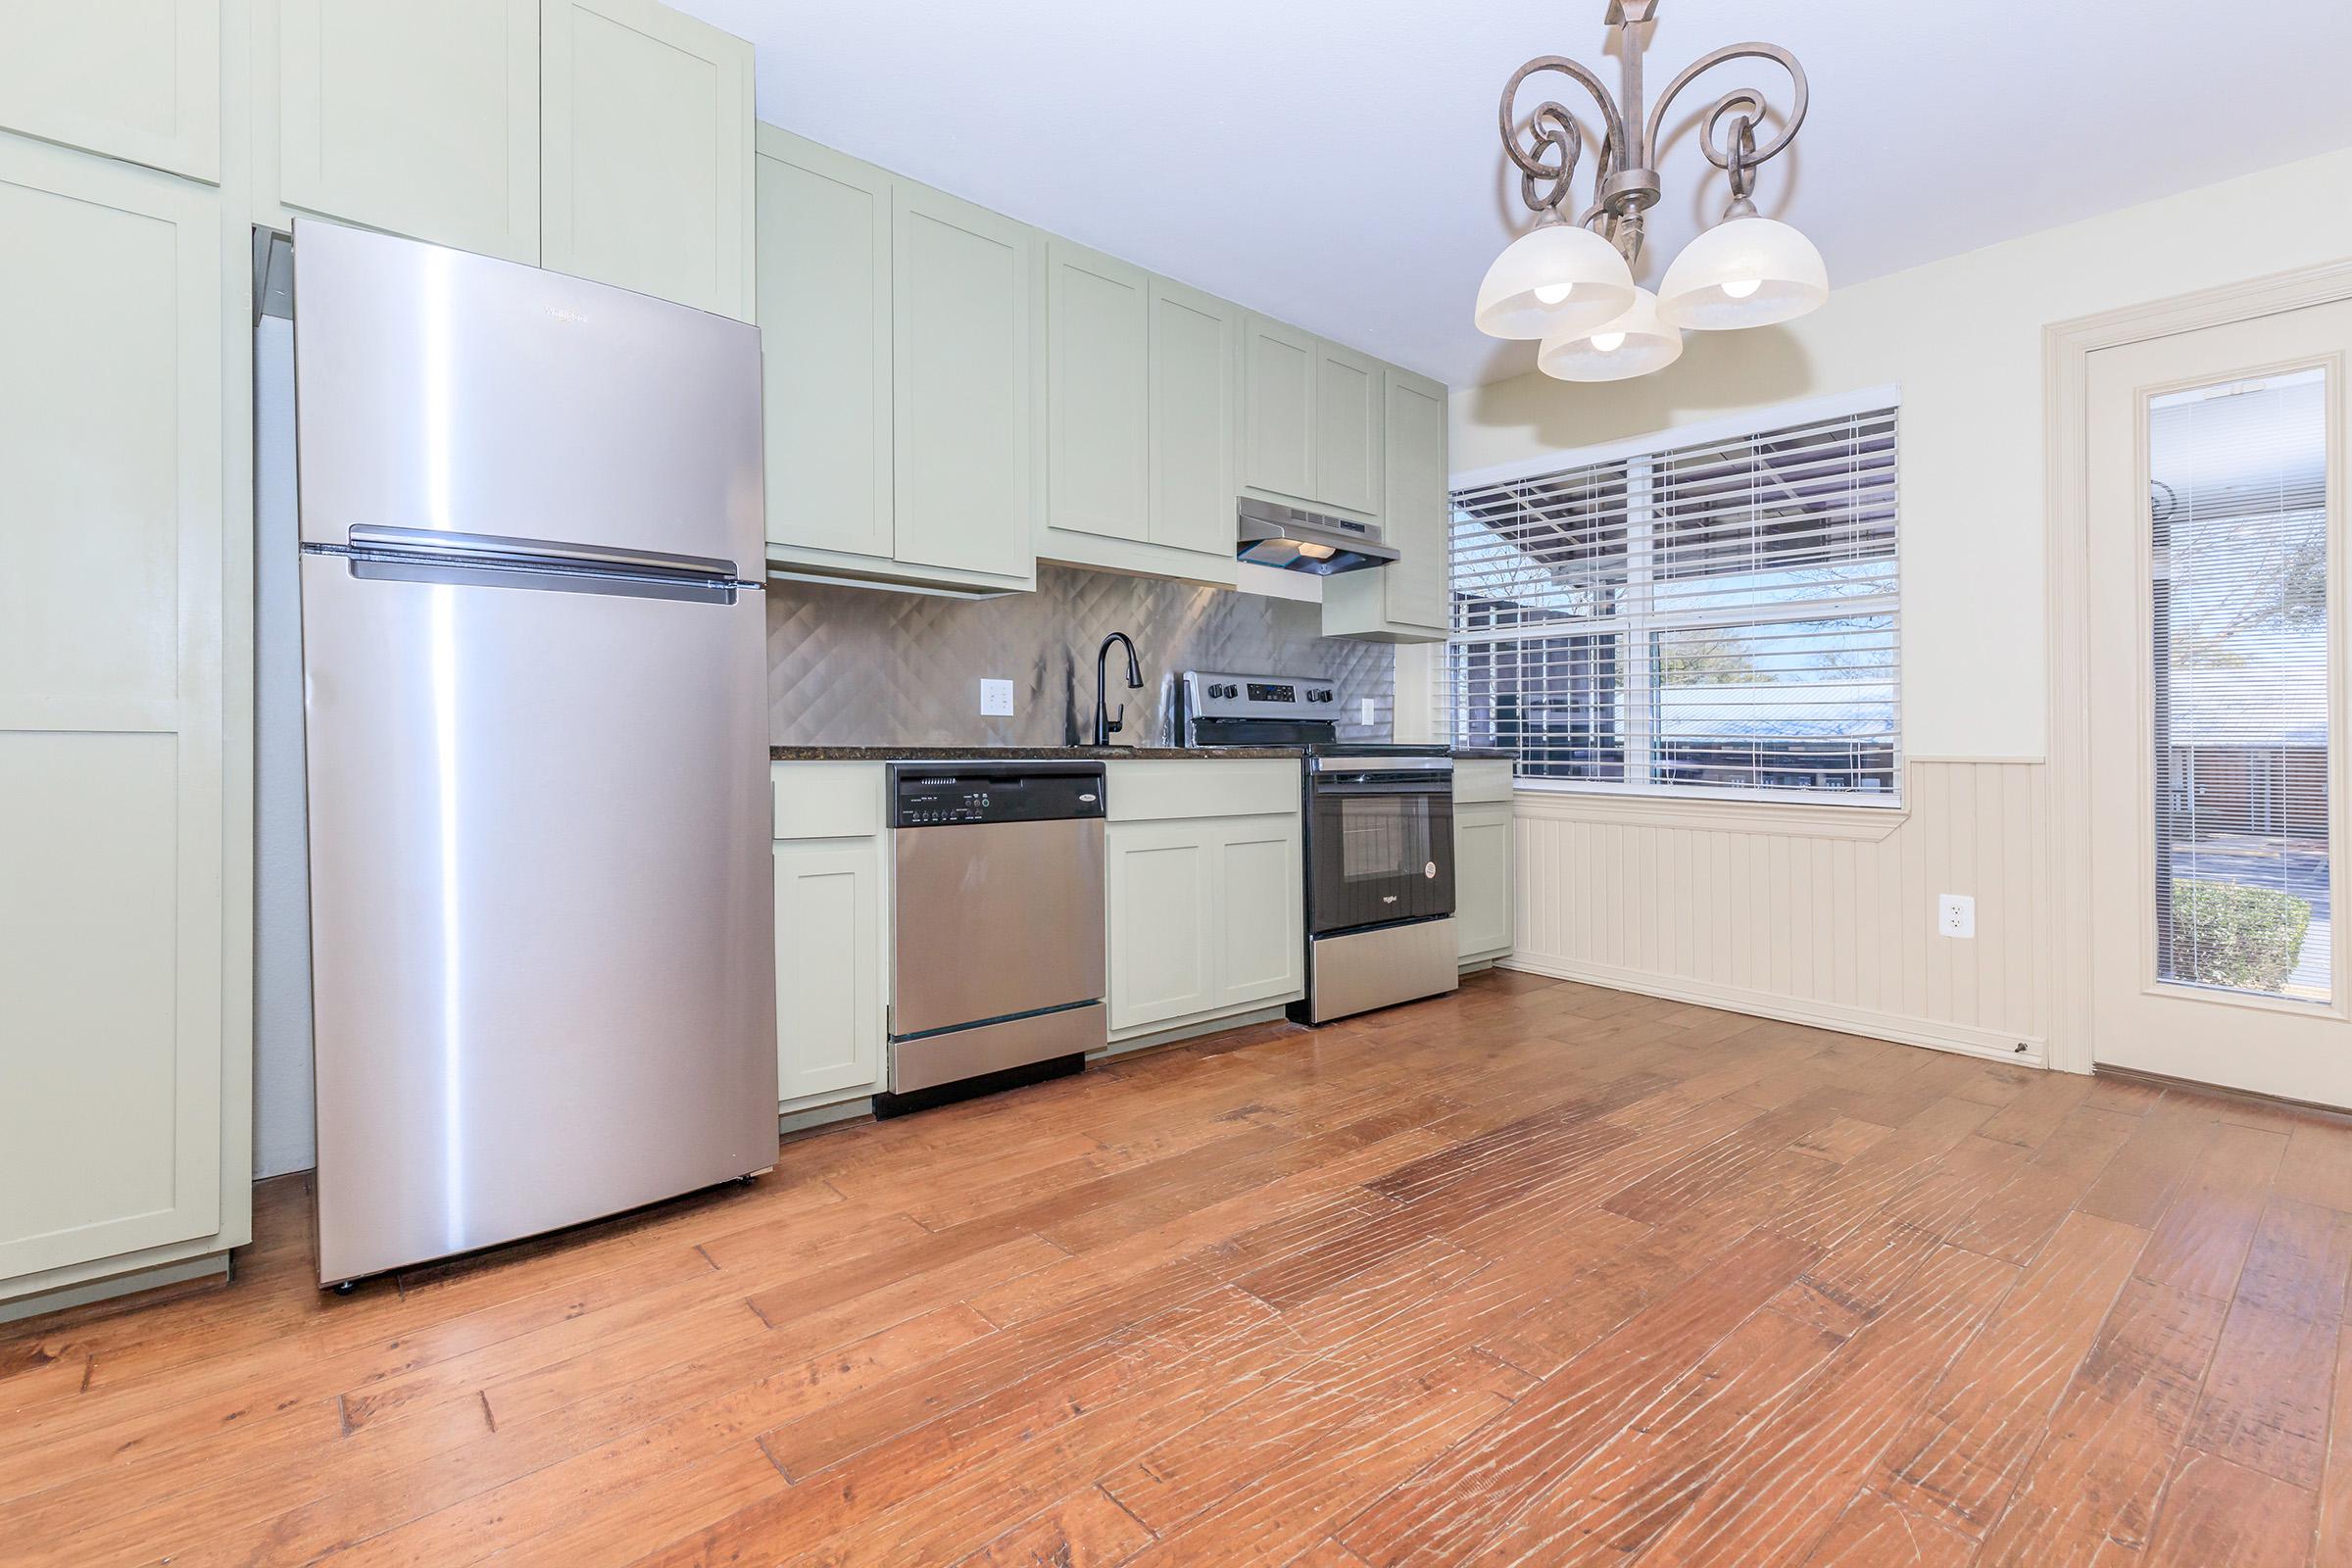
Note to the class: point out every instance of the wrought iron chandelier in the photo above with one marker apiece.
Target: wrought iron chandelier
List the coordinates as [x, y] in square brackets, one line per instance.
[1571, 283]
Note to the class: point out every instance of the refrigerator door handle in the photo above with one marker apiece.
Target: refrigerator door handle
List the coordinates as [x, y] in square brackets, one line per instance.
[505, 550]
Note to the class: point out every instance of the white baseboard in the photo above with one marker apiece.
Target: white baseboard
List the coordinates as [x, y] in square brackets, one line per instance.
[1966, 1039]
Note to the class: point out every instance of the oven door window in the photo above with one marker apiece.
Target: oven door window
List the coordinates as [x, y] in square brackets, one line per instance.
[1381, 851]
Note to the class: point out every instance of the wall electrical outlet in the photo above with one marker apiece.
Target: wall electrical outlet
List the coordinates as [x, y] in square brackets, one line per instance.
[1365, 708]
[996, 699]
[1956, 915]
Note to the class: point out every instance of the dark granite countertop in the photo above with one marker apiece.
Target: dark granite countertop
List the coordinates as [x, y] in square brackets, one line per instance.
[1483, 753]
[989, 754]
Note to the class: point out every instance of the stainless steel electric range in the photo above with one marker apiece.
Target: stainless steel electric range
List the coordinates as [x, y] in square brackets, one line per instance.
[1379, 832]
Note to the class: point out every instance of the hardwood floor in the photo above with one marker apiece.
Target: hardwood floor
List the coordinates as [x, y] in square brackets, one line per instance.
[1537, 1273]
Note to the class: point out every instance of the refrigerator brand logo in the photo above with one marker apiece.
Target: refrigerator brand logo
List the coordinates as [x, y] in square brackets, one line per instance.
[566, 314]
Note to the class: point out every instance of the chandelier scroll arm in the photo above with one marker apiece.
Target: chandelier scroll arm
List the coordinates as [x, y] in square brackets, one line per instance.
[1746, 102]
[1552, 127]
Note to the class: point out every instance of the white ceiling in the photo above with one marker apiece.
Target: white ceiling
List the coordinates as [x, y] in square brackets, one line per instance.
[1335, 163]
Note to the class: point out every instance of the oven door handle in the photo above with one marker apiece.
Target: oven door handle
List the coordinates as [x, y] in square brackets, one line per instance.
[1404, 786]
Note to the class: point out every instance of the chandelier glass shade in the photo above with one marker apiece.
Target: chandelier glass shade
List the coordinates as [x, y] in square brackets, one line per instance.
[1555, 283]
[1555, 277]
[1633, 344]
[1745, 272]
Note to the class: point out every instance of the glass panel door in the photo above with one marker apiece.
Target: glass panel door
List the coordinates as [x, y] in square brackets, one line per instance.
[2239, 550]
[2214, 632]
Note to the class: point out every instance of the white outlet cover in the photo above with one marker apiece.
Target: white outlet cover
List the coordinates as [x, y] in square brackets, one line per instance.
[1956, 915]
[996, 699]
[1365, 708]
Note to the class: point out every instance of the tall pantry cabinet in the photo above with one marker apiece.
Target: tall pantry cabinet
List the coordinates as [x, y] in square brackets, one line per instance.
[141, 143]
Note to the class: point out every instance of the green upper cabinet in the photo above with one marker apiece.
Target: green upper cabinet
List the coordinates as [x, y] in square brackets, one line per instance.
[1277, 409]
[1194, 341]
[961, 364]
[1311, 418]
[416, 116]
[646, 152]
[1099, 390]
[1347, 431]
[899, 377]
[1405, 601]
[134, 80]
[1139, 399]
[825, 314]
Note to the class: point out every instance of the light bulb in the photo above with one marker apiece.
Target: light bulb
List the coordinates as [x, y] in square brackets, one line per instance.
[1738, 288]
[1553, 293]
[1608, 342]
[1315, 552]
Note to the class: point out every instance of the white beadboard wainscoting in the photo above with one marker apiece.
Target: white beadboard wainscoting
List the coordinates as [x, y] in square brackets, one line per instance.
[1823, 916]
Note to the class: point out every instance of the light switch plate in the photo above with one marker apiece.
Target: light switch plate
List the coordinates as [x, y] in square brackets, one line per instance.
[1365, 708]
[996, 699]
[1956, 915]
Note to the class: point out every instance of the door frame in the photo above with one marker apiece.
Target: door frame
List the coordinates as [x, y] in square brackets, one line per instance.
[2067, 346]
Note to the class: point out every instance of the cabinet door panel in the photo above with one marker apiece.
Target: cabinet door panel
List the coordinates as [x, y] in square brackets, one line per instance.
[417, 116]
[1277, 409]
[1098, 382]
[1159, 885]
[825, 326]
[1348, 433]
[1193, 338]
[1260, 910]
[828, 967]
[1416, 511]
[1482, 878]
[646, 154]
[136, 79]
[112, 874]
[1407, 600]
[961, 385]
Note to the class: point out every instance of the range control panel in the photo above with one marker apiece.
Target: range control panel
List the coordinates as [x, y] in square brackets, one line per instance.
[1219, 696]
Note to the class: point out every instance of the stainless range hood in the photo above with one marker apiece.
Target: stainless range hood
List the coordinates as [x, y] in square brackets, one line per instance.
[1290, 539]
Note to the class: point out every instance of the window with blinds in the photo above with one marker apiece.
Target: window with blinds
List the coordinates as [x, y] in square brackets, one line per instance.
[1714, 618]
[2237, 533]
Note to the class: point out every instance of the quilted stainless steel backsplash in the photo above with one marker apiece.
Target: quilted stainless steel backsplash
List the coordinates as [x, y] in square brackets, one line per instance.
[859, 667]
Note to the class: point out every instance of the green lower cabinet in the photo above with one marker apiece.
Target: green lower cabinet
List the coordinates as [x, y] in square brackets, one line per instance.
[830, 972]
[1206, 913]
[1483, 892]
[832, 909]
[1206, 919]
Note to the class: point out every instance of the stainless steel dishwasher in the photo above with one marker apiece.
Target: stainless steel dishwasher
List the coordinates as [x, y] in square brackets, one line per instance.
[997, 973]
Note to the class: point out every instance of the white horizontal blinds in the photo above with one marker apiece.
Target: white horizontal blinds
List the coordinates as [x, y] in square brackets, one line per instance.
[2237, 521]
[1774, 651]
[1540, 575]
[1719, 617]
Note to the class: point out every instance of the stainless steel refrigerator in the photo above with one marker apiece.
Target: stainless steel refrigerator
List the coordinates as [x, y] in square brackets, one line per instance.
[536, 708]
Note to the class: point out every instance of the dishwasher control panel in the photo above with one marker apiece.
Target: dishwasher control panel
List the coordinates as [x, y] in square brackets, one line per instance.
[953, 795]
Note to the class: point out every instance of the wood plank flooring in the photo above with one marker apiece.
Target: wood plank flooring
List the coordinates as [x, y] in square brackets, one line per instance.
[1537, 1273]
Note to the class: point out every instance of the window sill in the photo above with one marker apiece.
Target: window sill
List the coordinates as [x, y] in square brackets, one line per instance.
[1786, 818]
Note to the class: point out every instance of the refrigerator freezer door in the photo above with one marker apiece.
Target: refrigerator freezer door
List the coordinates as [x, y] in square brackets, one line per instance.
[541, 913]
[438, 390]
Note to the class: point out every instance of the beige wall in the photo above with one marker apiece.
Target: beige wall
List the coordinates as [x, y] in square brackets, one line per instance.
[1765, 914]
[1963, 340]
[1771, 916]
